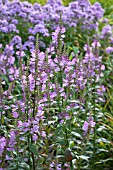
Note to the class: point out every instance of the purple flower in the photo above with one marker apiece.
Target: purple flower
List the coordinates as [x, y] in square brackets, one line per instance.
[15, 114]
[16, 39]
[22, 14]
[101, 90]
[0, 45]
[35, 129]
[20, 53]
[88, 125]
[56, 34]
[85, 127]
[11, 60]
[12, 27]
[103, 67]
[11, 70]
[2, 144]
[9, 51]
[31, 82]
[53, 95]
[4, 29]
[96, 44]
[109, 50]
[14, 21]
[35, 137]
[40, 28]
[107, 30]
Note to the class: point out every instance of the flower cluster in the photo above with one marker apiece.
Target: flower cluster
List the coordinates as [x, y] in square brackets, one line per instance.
[42, 87]
[2, 145]
[42, 19]
[88, 126]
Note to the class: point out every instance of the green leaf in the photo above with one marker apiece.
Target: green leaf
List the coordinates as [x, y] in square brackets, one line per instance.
[76, 134]
[75, 49]
[70, 57]
[71, 144]
[103, 140]
[23, 165]
[5, 78]
[33, 149]
[84, 157]
[20, 158]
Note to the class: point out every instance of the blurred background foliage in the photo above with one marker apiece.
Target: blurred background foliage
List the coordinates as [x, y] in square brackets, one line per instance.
[106, 4]
[42, 2]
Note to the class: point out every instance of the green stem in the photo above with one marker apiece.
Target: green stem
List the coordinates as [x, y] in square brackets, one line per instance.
[71, 165]
[29, 161]
[94, 144]
[33, 157]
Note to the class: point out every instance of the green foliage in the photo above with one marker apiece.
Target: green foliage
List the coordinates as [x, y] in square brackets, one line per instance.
[66, 2]
[43, 2]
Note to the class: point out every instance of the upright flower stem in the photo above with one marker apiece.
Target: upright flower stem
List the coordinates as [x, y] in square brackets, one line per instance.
[96, 52]
[35, 95]
[1, 100]
[94, 144]
[71, 165]
[33, 159]
[27, 109]
[36, 89]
